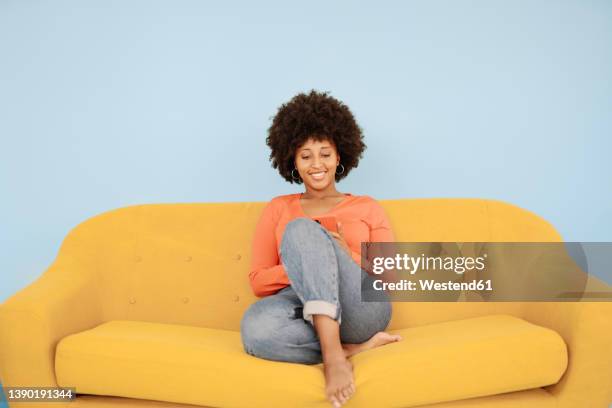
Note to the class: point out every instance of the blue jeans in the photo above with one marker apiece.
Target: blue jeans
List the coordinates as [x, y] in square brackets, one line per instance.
[324, 280]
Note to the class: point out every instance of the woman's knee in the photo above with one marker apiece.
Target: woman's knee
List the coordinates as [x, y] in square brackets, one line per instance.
[255, 327]
[265, 335]
[300, 224]
[265, 321]
[298, 230]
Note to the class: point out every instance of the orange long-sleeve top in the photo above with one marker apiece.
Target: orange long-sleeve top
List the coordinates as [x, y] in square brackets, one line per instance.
[363, 220]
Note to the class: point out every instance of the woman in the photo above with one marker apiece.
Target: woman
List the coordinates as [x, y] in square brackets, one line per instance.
[309, 275]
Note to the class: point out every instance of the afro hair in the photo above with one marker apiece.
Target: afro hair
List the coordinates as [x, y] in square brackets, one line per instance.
[320, 117]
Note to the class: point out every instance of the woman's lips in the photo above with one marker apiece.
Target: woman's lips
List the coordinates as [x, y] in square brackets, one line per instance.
[318, 175]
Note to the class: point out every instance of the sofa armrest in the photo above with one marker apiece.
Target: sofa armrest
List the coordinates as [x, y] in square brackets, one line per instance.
[62, 301]
[586, 328]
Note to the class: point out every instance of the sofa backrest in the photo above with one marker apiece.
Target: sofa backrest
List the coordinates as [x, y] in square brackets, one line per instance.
[189, 263]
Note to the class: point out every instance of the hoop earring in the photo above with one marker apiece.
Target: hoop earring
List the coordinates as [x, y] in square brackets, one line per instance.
[293, 177]
[342, 172]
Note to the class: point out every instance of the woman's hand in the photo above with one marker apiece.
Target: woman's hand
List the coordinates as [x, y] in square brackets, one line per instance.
[339, 236]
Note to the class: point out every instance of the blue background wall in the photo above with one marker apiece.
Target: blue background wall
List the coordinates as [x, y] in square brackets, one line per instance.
[112, 103]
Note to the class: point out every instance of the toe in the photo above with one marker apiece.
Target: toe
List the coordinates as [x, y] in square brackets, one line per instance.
[348, 392]
[341, 397]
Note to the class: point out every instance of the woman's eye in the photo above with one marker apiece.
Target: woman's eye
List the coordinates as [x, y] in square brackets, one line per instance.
[326, 155]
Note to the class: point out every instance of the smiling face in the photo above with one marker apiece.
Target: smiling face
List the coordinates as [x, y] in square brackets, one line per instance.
[316, 162]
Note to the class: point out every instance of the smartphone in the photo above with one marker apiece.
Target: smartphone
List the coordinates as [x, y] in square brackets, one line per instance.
[328, 222]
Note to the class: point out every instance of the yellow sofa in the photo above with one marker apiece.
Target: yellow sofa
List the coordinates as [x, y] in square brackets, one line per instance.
[141, 308]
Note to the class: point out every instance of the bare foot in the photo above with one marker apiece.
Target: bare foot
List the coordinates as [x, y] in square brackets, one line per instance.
[377, 340]
[339, 384]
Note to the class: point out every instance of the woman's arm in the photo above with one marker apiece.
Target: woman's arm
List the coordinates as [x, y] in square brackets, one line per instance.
[267, 274]
[380, 231]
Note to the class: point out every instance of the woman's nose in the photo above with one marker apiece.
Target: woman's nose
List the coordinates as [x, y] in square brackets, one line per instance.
[317, 163]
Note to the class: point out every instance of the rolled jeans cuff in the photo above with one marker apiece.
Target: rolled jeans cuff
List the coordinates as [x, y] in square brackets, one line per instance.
[320, 307]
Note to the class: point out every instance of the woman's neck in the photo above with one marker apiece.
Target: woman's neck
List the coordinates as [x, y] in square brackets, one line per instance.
[321, 194]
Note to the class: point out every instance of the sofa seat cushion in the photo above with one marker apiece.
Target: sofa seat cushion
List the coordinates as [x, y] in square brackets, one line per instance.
[202, 366]
[461, 359]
